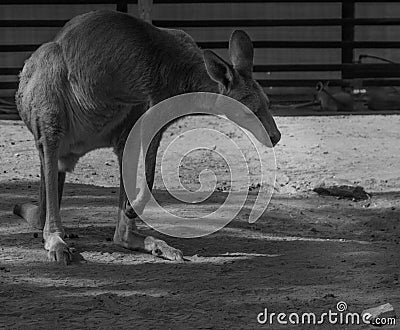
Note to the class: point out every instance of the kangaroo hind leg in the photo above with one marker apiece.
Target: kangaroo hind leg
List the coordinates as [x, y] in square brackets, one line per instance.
[126, 233]
[41, 103]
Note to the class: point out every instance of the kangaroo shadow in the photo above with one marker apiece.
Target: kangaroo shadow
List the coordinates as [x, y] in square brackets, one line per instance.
[238, 265]
[89, 214]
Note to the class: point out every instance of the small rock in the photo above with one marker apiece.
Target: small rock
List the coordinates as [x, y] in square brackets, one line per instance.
[341, 189]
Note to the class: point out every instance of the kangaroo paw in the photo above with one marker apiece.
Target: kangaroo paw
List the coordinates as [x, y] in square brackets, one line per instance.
[58, 250]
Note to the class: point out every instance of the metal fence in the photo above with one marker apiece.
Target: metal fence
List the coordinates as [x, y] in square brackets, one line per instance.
[372, 74]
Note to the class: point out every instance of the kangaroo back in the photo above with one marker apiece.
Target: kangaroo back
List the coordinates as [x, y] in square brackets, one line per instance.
[113, 57]
[44, 72]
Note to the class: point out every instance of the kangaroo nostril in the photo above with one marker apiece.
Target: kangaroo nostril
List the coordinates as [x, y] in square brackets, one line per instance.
[275, 139]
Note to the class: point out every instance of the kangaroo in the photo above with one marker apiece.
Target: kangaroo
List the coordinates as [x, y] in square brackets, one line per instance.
[340, 101]
[86, 89]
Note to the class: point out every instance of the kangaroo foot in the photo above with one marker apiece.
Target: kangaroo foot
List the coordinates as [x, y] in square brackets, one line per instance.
[157, 247]
[58, 250]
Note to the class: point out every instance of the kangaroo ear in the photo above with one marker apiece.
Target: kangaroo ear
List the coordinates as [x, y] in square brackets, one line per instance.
[319, 86]
[219, 70]
[241, 52]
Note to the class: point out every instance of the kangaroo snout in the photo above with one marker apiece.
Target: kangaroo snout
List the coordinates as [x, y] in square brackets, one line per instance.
[270, 127]
[275, 138]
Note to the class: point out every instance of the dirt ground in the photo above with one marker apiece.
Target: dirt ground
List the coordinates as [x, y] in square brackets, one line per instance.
[305, 254]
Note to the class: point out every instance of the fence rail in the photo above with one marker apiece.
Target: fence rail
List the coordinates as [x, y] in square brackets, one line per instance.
[228, 23]
[78, 2]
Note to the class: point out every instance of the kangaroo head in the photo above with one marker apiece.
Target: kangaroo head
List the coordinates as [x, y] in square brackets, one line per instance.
[235, 80]
[320, 87]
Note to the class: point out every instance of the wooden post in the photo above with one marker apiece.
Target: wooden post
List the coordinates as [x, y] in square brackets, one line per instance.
[122, 6]
[145, 8]
[348, 12]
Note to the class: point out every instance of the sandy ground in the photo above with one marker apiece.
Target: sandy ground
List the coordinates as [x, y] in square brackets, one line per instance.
[305, 254]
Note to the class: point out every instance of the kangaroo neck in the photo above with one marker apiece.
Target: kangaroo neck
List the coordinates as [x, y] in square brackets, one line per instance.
[183, 74]
[194, 77]
[203, 83]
